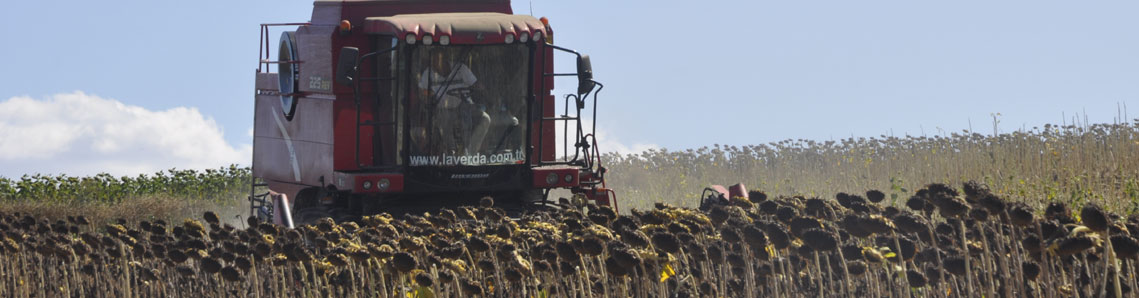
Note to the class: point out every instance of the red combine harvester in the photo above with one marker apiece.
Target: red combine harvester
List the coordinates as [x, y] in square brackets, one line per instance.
[402, 105]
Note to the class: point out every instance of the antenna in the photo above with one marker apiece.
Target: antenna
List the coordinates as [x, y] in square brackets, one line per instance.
[531, 7]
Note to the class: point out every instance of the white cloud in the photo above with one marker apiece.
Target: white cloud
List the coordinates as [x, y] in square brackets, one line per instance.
[610, 143]
[606, 140]
[81, 134]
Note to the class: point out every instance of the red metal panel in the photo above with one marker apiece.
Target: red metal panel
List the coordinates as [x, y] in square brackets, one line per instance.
[312, 121]
[314, 47]
[344, 109]
[547, 139]
[738, 190]
[273, 160]
[344, 120]
[327, 12]
[356, 11]
[345, 136]
[297, 151]
[344, 115]
[549, 133]
[395, 180]
[267, 81]
[263, 124]
[461, 28]
[550, 143]
[540, 178]
[602, 197]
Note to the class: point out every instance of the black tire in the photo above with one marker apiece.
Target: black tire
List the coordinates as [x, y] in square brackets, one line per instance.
[308, 216]
[306, 207]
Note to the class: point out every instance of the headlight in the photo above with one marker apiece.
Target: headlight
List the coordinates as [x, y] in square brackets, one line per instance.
[383, 184]
[367, 184]
[427, 40]
[444, 40]
[509, 38]
[537, 36]
[551, 178]
[524, 37]
[569, 178]
[410, 39]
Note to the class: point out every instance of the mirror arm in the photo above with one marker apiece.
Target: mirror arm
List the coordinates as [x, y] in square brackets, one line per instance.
[355, 86]
[372, 54]
[575, 53]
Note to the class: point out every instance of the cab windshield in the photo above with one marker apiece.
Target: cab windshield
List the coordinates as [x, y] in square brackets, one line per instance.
[467, 105]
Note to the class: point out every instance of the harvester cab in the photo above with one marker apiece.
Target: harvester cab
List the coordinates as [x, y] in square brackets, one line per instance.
[404, 105]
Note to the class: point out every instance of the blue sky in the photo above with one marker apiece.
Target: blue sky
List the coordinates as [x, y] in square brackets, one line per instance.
[677, 74]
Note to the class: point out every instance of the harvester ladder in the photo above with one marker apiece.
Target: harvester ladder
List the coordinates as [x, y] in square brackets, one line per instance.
[374, 123]
[586, 153]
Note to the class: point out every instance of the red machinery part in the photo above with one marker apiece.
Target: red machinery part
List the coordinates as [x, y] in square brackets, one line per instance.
[738, 190]
[603, 197]
[718, 194]
[460, 28]
[378, 183]
[561, 178]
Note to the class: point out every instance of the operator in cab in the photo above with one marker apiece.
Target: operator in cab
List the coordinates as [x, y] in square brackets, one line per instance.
[447, 86]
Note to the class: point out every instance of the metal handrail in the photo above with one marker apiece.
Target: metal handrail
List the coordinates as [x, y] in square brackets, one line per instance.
[267, 61]
[579, 133]
[263, 44]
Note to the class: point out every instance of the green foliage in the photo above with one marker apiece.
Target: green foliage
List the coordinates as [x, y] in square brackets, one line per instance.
[214, 185]
[896, 190]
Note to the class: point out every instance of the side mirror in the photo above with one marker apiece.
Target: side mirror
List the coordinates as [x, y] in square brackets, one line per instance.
[584, 75]
[346, 67]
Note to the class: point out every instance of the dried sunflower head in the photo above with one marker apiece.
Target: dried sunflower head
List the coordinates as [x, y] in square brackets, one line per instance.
[1094, 217]
[754, 237]
[614, 267]
[211, 217]
[666, 242]
[821, 240]
[1020, 214]
[916, 279]
[856, 268]
[210, 265]
[229, 273]
[875, 196]
[423, 279]
[404, 262]
[1125, 246]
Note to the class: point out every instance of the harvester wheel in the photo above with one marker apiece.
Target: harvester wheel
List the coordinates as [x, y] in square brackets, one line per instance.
[307, 208]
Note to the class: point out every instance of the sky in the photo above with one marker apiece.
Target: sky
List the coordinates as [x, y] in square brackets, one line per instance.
[138, 86]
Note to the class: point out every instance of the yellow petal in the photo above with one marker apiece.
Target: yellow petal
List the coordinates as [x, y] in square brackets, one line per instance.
[421, 292]
[666, 272]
